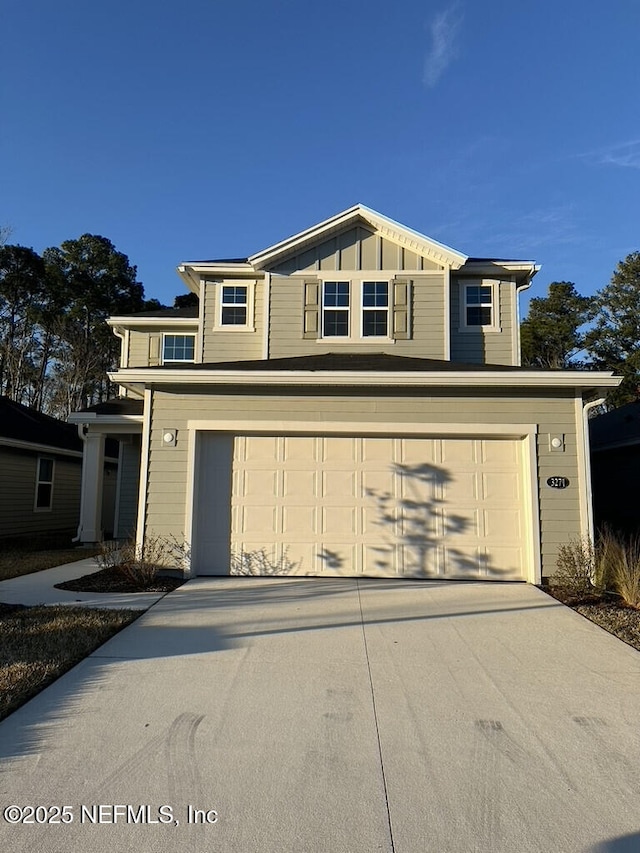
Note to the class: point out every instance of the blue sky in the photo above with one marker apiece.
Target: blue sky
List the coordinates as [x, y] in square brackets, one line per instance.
[206, 129]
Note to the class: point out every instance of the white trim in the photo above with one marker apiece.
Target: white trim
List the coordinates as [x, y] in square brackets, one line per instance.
[50, 482]
[494, 284]
[132, 321]
[584, 464]
[448, 319]
[265, 314]
[531, 489]
[249, 305]
[192, 490]
[343, 378]
[39, 448]
[144, 468]
[193, 335]
[200, 339]
[320, 427]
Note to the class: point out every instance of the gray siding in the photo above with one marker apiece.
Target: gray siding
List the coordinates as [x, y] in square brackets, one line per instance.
[129, 484]
[427, 312]
[553, 412]
[18, 471]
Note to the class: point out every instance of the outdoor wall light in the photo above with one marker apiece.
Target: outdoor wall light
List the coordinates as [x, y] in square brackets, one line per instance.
[557, 442]
[169, 437]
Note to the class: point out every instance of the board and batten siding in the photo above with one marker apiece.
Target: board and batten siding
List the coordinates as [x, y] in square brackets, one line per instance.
[220, 344]
[426, 319]
[554, 413]
[18, 472]
[476, 346]
[354, 250]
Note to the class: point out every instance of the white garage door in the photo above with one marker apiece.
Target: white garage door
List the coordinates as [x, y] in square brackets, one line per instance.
[345, 505]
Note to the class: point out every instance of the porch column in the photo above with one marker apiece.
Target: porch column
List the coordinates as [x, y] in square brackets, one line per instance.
[92, 476]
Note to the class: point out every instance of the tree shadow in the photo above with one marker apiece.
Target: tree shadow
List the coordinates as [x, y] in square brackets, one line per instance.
[419, 530]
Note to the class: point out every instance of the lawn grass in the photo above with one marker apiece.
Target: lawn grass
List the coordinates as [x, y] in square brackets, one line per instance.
[16, 560]
[38, 644]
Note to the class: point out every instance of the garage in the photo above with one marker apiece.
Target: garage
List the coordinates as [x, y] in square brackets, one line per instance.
[382, 506]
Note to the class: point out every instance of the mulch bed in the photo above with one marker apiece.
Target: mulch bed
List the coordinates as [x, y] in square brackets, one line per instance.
[111, 580]
[609, 613]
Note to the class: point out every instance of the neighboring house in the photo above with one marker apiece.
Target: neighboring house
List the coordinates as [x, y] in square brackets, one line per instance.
[615, 466]
[40, 474]
[348, 402]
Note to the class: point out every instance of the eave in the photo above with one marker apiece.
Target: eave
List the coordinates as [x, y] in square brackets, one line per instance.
[139, 378]
[193, 273]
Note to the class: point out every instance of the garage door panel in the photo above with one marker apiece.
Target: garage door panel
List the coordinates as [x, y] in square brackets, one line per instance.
[339, 520]
[502, 486]
[300, 485]
[338, 451]
[339, 484]
[300, 522]
[349, 505]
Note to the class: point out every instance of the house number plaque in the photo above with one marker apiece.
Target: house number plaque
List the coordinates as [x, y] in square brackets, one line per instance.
[558, 482]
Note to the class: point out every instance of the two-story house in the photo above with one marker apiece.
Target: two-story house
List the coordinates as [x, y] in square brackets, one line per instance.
[347, 402]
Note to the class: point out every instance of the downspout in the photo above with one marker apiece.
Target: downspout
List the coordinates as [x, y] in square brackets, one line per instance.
[82, 433]
[586, 408]
[519, 288]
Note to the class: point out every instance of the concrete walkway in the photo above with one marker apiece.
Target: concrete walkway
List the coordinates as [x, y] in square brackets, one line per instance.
[39, 588]
[338, 716]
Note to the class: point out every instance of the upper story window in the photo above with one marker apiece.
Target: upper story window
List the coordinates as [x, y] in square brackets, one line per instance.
[335, 309]
[44, 484]
[375, 309]
[178, 348]
[479, 305]
[357, 310]
[234, 305]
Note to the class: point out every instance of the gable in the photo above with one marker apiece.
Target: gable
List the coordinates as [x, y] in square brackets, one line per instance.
[358, 238]
[357, 248]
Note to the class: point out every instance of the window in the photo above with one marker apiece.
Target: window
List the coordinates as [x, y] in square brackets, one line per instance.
[178, 348]
[335, 309]
[44, 484]
[375, 309]
[234, 305]
[478, 305]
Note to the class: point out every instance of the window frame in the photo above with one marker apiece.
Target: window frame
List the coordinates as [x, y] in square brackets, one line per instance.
[384, 309]
[345, 309]
[248, 325]
[166, 335]
[494, 325]
[44, 482]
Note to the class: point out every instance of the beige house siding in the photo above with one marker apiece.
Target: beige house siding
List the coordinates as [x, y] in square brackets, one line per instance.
[237, 344]
[474, 346]
[145, 347]
[554, 413]
[426, 323]
[18, 470]
[355, 249]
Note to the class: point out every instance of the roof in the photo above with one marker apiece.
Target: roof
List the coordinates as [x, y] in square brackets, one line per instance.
[189, 313]
[345, 362]
[119, 406]
[618, 428]
[20, 423]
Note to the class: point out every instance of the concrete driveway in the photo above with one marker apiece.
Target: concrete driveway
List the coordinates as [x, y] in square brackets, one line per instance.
[339, 716]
